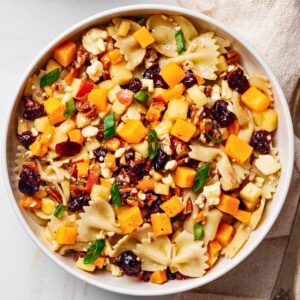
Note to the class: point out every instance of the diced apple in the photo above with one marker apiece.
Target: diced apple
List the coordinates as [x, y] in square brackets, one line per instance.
[266, 120]
[177, 109]
[41, 124]
[141, 148]
[250, 195]
[81, 87]
[118, 107]
[197, 96]
[119, 74]
[163, 128]
[67, 126]
[52, 65]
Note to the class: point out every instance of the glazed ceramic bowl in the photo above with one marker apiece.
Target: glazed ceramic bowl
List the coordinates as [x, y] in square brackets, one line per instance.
[284, 141]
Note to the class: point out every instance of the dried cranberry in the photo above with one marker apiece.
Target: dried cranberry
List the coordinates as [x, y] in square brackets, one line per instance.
[33, 110]
[77, 202]
[29, 182]
[148, 165]
[129, 263]
[136, 172]
[238, 81]
[68, 148]
[193, 163]
[26, 139]
[159, 82]
[100, 154]
[170, 275]
[134, 85]
[153, 208]
[189, 80]
[160, 160]
[129, 155]
[100, 134]
[144, 276]
[151, 71]
[221, 114]
[261, 140]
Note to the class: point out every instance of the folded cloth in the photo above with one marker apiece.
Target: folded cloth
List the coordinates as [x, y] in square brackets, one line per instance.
[273, 28]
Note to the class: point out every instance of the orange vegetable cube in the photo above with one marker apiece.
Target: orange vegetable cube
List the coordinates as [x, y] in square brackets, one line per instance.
[146, 184]
[133, 131]
[172, 74]
[243, 216]
[144, 37]
[115, 56]
[58, 115]
[99, 98]
[213, 248]
[238, 149]
[38, 149]
[66, 235]
[234, 128]
[100, 261]
[184, 177]
[173, 93]
[31, 203]
[255, 100]
[228, 204]
[161, 224]
[47, 136]
[105, 59]
[65, 53]
[70, 76]
[200, 217]
[113, 144]
[183, 130]
[51, 104]
[75, 136]
[172, 207]
[110, 161]
[82, 169]
[105, 183]
[158, 277]
[224, 234]
[130, 219]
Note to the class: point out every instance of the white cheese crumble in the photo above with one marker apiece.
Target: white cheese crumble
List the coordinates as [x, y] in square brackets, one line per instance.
[267, 164]
[171, 165]
[148, 84]
[200, 201]
[95, 70]
[93, 41]
[168, 180]
[212, 193]
[216, 93]
[119, 152]
[89, 131]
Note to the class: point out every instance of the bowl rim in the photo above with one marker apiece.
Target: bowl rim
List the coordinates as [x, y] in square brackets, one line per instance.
[189, 284]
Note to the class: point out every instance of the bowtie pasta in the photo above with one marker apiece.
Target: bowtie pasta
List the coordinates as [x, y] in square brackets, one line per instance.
[146, 149]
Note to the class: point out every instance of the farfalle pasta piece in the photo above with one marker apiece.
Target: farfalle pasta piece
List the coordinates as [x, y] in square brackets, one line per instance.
[129, 47]
[223, 44]
[188, 29]
[213, 219]
[257, 214]
[52, 173]
[189, 256]
[240, 171]
[238, 110]
[155, 255]
[163, 30]
[98, 216]
[203, 153]
[262, 83]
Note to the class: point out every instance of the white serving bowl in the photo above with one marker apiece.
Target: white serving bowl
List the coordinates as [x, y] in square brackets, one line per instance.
[284, 141]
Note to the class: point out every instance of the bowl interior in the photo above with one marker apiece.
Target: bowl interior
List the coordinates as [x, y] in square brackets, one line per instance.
[284, 141]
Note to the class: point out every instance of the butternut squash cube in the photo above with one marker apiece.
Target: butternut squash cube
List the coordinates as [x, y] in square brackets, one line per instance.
[66, 235]
[38, 149]
[213, 248]
[99, 98]
[105, 183]
[173, 93]
[228, 204]
[184, 177]
[65, 53]
[130, 219]
[158, 277]
[161, 224]
[243, 216]
[224, 234]
[75, 136]
[133, 131]
[115, 56]
[110, 161]
[51, 104]
[238, 149]
[82, 169]
[58, 115]
[250, 195]
[172, 207]
[146, 184]
[144, 37]
[48, 135]
[48, 205]
[255, 100]
[100, 261]
[172, 74]
[183, 130]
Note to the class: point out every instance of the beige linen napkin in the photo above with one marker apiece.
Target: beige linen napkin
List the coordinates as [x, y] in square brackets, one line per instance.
[273, 28]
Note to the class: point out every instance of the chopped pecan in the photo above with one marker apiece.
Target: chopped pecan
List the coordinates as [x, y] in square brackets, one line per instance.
[134, 201]
[150, 198]
[81, 57]
[151, 58]
[179, 146]
[54, 194]
[232, 57]
[177, 225]
[195, 114]
[77, 188]
[177, 191]
[88, 108]
[109, 44]
[207, 90]
[188, 206]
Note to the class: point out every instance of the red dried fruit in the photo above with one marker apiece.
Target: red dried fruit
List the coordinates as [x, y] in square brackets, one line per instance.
[135, 85]
[261, 140]
[221, 114]
[33, 110]
[30, 181]
[189, 80]
[78, 202]
[238, 81]
[129, 263]
[26, 139]
[68, 148]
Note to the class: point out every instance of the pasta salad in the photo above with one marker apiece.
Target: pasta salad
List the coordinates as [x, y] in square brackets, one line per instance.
[146, 149]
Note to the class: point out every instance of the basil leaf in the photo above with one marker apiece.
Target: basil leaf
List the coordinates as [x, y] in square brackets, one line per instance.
[50, 78]
[109, 126]
[140, 21]
[70, 108]
[141, 96]
[200, 178]
[214, 134]
[115, 196]
[59, 210]
[152, 144]
[94, 252]
[198, 232]
[180, 42]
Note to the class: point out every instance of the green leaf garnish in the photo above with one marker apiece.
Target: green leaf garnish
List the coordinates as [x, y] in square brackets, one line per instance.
[152, 144]
[180, 42]
[59, 210]
[50, 77]
[141, 96]
[140, 21]
[198, 232]
[70, 108]
[200, 178]
[214, 134]
[109, 126]
[115, 196]
[94, 252]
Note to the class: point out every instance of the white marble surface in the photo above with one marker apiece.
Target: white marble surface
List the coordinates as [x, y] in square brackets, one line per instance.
[26, 26]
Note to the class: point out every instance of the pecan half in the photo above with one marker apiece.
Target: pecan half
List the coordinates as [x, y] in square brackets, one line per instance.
[88, 108]
[188, 206]
[232, 57]
[54, 194]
